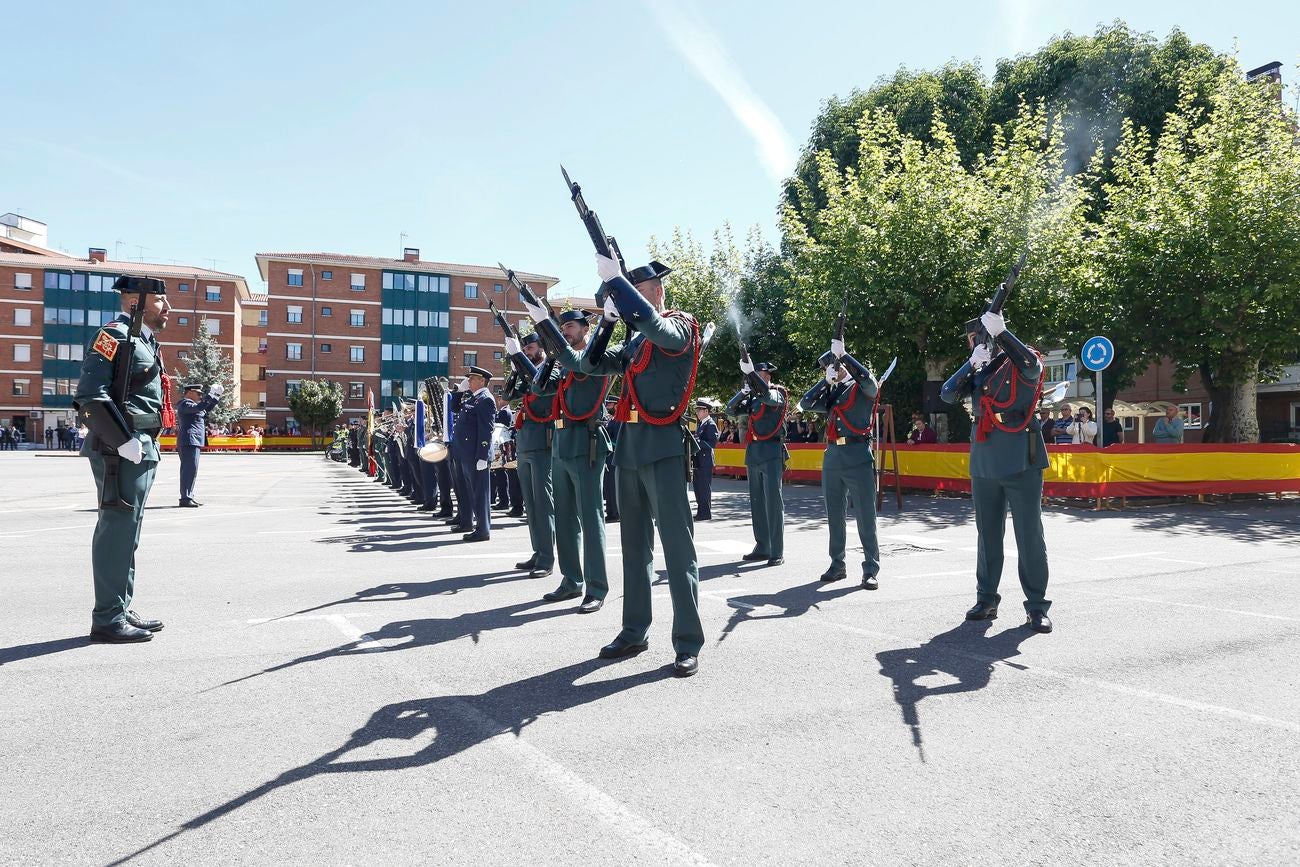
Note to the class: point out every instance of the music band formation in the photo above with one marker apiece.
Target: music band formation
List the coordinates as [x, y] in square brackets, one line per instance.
[576, 452]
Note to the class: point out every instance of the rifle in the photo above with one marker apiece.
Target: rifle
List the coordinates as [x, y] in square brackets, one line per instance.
[120, 391]
[518, 362]
[828, 357]
[605, 244]
[975, 327]
[552, 341]
[752, 379]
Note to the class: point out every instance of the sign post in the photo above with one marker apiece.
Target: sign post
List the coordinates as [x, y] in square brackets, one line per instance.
[1098, 352]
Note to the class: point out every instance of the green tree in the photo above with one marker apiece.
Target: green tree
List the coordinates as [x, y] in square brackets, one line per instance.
[316, 404]
[208, 364]
[1201, 243]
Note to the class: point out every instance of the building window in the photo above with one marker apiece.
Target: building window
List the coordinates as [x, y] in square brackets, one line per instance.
[261, 318]
[357, 318]
[183, 354]
[471, 325]
[261, 400]
[497, 356]
[184, 287]
[356, 354]
[214, 326]
[1191, 415]
[22, 352]
[182, 320]
[22, 387]
[356, 390]
[358, 283]
[471, 290]
[293, 351]
[22, 281]
[326, 347]
[295, 277]
[327, 275]
[291, 387]
[295, 315]
[1061, 371]
[213, 294]
[22, 316]
[471, 359]
[326, 311]
[496, 287]
[261, 374]
[261, 345]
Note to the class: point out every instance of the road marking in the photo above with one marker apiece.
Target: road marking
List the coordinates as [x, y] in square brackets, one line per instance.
[724, 546]
[339, 621]
[1128, 556]
[1215, 609]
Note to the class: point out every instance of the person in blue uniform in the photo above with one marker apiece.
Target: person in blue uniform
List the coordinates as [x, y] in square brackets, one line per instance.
[612, 427]
[534, 433]
[1007, 459]
[472, 444]
[192, 434]
[706, 433]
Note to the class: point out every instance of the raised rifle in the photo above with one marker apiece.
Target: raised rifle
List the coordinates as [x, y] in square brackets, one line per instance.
[752, 379]
[518, 362]
[828, 357]
[974, 327]
[605, 244]
[552, 341]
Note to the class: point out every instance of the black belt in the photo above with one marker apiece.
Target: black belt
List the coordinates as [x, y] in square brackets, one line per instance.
[844, 441]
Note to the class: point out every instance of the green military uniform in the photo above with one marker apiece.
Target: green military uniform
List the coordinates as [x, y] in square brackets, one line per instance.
[117, 530]
[380, 442]
[848, 467]
[578, 472]
[533, 454]
[658, 365]
[764, 465]
[1007, 459]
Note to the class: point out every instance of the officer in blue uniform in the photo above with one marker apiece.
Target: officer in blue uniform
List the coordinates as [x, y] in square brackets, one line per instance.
[612, 428]
[192, 434]
[472, 445]
[1007, 459]
[706, 433]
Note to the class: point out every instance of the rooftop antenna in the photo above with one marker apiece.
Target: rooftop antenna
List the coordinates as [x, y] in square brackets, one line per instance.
[139, 252]
[402, 242]
[117, 250]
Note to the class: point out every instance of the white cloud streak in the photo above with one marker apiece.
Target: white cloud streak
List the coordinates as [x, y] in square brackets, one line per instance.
[1016, 16]
[691, 36]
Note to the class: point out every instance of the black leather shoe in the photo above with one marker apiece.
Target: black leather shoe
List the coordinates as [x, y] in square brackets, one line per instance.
[590, 605]
[529, 564]
[686, 665]
[559, 594]
[618, 648]
[983, 611]
[452, 521]
[444, 514]
[190, 504]
[704, 517]
[423, 508]
[513, 514]
[120, 632]
[776, 561]
[461, 528]
[142, 623]
[1039, 621]
[475, 537]
[870, 582]
[613, 520]
[541, 572]
[834, 574]
[752, 556]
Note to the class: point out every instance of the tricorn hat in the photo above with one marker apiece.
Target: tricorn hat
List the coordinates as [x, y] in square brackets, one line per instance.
[529, 338]
[653, 271]
[573, 316]
[135, 285]
[766, 365]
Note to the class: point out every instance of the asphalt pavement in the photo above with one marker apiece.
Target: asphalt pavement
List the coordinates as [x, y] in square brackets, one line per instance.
[341, 680]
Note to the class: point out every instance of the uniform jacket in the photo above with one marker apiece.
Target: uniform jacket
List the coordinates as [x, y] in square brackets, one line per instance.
[472, 435]
[765, 431]
[580, 417]
[849, 410]
[707, 434]
[191, 421]
[144, 401]
[536, 401]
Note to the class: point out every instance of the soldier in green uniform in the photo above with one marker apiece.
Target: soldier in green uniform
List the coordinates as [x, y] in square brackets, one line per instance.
[764, 406]
[123, 448]
[1007, 459]
[578, 470]
[535, 424]
[846, 395]
[658, 363]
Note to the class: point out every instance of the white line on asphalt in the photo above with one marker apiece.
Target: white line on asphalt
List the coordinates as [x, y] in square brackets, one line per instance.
[1128, 556]
[338, 621]
[153, 521]
[1215, 609]
[1184, 562]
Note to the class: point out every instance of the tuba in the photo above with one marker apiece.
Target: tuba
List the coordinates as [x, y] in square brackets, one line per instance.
[432, 435]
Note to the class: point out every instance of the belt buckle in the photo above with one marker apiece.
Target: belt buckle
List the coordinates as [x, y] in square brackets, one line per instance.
[632, 417]
[559, 424]
[842, 441]
[998, 416]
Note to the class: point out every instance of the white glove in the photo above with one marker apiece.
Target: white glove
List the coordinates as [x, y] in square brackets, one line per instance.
[837, 348]
[481, 465]
[131, 450]
[607, 269]
[994, 323]
[512, 346]
[980, 358]
[536, 312]
[746, 367]
[463, 385]
[216, 390]
[611, 309]
[832, 374]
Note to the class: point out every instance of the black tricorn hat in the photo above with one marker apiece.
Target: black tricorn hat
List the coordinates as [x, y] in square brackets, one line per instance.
[573, 316]
[766, 365]
[135, 285]
[653, 271]
[529, 338]
[481, 371]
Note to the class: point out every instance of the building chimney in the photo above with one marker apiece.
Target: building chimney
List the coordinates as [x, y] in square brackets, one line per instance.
[410, 254]
[98, 254]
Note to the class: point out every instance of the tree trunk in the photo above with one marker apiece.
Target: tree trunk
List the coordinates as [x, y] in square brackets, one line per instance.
[1235, 417]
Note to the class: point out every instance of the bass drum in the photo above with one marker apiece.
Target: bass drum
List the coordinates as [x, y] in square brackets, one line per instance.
[433, 452]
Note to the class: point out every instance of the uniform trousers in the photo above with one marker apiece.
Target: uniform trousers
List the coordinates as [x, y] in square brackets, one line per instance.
[766, 507]
[539, 505]
[117, 535]
[580, 515]
[1023, 494]
[838, 484]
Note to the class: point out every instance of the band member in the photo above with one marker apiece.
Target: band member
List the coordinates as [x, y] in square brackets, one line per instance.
[192, 434]
[578, 471]
[706, 434]
[763, 405]
[846, 394]
[612, 427]
[473, 444]
[123, 448]
[535, 428]
[1007, 459]
[658, 363]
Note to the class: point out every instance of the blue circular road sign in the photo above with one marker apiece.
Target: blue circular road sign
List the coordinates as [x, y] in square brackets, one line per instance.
[1097, 353]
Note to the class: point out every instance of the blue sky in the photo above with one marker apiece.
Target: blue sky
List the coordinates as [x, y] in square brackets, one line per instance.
[215, 131]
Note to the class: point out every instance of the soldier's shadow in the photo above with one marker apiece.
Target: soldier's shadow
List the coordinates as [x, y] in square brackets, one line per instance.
[41, 648]
[964, 656]
[456, 723]
[405, 591]
[413, 634]
[790, 602]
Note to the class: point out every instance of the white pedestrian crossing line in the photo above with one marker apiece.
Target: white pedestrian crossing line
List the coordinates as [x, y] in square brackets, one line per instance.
[340, 622]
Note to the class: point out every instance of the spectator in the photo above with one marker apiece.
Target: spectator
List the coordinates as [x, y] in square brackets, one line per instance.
[1112, 432]
[1062, 435]
[49, 437]
[1169, 430]
[921, 431]
[1084, 429]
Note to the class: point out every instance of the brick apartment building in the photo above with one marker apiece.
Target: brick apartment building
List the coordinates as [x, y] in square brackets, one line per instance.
[372, 323]
[51, 304]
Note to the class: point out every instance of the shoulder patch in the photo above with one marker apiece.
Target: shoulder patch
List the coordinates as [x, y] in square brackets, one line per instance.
[105, 344]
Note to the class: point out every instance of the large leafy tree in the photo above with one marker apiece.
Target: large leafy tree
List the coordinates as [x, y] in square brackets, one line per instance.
[315, 404]
[1202, 243]
[209, 365]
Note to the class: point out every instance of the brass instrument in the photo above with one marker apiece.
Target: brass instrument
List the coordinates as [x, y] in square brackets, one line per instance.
[435, 422]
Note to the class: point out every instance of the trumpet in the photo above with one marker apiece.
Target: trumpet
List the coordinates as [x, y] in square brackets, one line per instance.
[431, 438]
